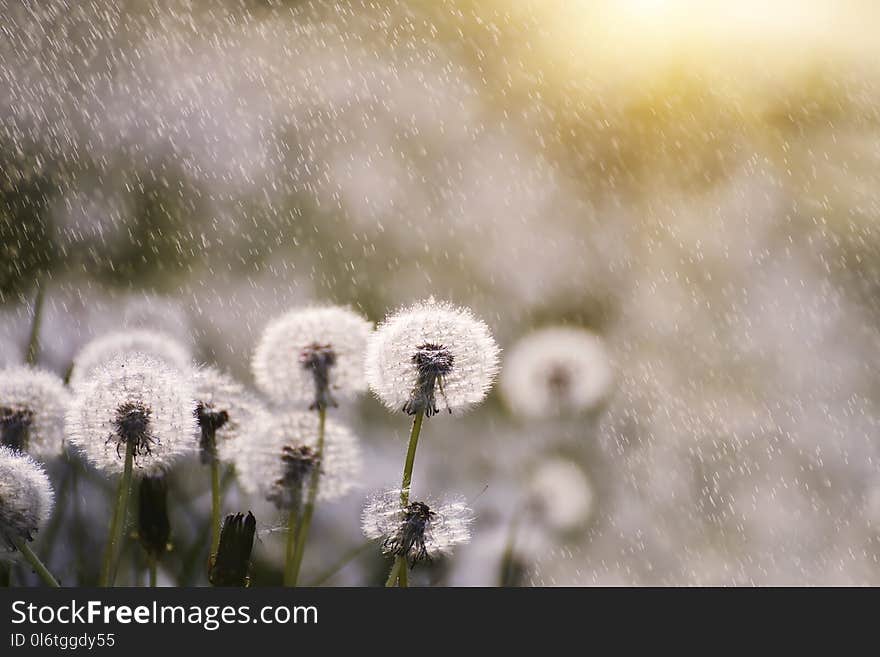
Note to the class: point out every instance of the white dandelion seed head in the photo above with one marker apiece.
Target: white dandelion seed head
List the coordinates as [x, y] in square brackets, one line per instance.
[561, 494]
[431, 356]
[421, 531]
[144, 341]
[312, 356]
[137, 397]
[556, 371]
[233, 411]
[32, 407]
[26, 496]
[277, 464]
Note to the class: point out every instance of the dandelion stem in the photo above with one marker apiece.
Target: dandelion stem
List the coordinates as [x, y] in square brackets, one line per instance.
[117, 523]
[398, 571]
[309, 509]
[215, 504]
[33, 350]
[153, 566]
[5, 574]
[290, 551]
[34, 561]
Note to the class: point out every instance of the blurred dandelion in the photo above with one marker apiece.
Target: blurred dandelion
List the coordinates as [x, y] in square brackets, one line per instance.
[291, 450]
[556, 371]
[560, 495]
[312, 356]
[420, 352]
[26, 501]
[276, 463]
[33, 404]
[135, 414]
[225, 411]
[155, 344]
[420, 531]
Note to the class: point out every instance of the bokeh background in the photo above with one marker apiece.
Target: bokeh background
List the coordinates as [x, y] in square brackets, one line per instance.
[698, 183]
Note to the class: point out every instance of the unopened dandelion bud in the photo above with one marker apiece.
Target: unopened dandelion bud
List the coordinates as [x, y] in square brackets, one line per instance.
[231, 565]
[154, 527]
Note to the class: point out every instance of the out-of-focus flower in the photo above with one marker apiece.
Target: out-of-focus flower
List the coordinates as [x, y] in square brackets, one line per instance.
[420, 531]
[225, 411]
[133, 398]
[26, 497]
[277, 463]
[312, 356]
[32, 407]
[429, 355]
[104, 348]
[555, 371]
[561, 495]
[230, 566]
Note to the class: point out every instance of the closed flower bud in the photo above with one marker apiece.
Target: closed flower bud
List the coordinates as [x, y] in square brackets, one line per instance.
[154, 527]
[231, 564]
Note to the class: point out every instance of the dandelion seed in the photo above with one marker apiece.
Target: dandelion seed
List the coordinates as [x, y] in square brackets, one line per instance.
[32, 407]
[430, 355]
[26, 497]
[277, 464]
[225, 412]
[419, 531]
[312, 356]
[556, 371]
[561, 495]
[101, 350]
[133, 399]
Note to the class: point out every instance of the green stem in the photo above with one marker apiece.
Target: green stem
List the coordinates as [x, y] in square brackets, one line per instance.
[290, 550]
[153, 565]
[505, 574]
[34, 561]
[5, 574]
[215, 504]
[398, 570]
[309, 510]
[33, 350]
[117, 523]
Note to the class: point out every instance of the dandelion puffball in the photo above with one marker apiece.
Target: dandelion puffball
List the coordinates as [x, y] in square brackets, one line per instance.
[429, 356]
[420, 531]
[278, 462]
[138, 399]
[313, 356]
[26, 497]
[152, 343]
[225, 409]
[556, 371]
[561, 494]
[32, 407]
